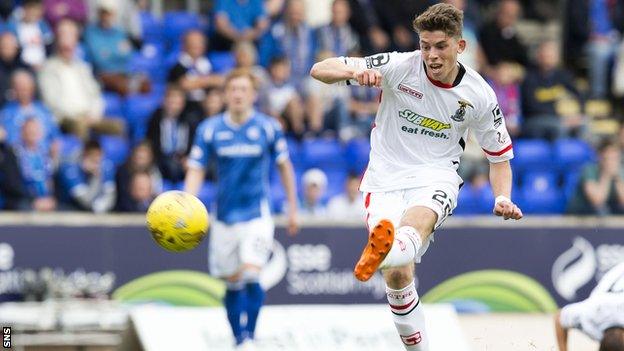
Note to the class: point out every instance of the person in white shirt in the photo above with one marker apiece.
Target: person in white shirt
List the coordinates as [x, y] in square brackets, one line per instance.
[429, 103]
[347, 205]
[600, 316]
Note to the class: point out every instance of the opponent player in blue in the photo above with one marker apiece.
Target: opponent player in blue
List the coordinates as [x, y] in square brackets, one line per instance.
[243, 143]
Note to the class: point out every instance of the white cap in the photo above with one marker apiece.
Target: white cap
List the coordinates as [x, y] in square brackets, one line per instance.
[108, 5]
[315, 176]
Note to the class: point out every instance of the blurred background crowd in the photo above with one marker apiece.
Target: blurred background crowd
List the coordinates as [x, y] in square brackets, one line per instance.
[100, 99]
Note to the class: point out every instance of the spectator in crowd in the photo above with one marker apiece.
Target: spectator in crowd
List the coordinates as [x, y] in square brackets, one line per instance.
[472, 56]
[12, 192]
[36, 166]
[317, 12]
[88, 181]
[9, 62]
[291, 37]
[338, 36]
[58, 10]
[141, 193]
[110, 50]
[281, 98]
[24, 107]
[238, 21]
[213, 102]
[618, 73]
[314, 186]
[170, 133]
[69, 88]
[373, 38]
[396, 18]
[591, 32]
[505, 80]
[499, 37]
[141, 160]
[348, 205]
[601, 187]
[327, 106]
[127, 17]
[33, 33]
[544, 91]
[193, 71]
[274, 8]
[246, 56]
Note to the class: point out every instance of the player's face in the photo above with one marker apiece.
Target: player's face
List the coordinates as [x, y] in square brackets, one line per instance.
[440, 52]
[240, 95]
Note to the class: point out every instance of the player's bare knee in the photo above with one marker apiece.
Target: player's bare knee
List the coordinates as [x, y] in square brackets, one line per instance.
[398, 277]
[422, 219]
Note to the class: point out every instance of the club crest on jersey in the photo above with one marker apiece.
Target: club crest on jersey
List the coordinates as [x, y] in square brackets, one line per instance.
[423, 121]
[377, 60]
[461, 111]
[409, 90]
[253, 133]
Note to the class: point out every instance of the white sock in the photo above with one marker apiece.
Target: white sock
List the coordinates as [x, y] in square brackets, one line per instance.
[406, 244]
[409, 318]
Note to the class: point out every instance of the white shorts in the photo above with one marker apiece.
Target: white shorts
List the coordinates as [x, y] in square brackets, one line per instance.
[231, 246]
[441, 197]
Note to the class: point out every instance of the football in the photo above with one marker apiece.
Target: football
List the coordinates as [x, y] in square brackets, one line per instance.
[177, 220]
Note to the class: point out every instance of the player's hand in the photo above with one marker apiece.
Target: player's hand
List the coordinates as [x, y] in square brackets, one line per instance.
[368, 78]
[292, 225]
[507, 210]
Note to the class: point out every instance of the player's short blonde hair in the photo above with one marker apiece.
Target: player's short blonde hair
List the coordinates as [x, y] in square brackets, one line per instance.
[241, 73]
[444, 17]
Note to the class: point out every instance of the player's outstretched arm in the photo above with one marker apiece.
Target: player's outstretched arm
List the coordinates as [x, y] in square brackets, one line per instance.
[193, 180]
[501, 180]
[561, 333]
[334, 70]
[287, 175]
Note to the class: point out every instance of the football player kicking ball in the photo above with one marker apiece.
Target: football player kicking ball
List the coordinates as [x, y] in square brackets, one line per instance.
[243, 143]
[600, 316]
[410, 187]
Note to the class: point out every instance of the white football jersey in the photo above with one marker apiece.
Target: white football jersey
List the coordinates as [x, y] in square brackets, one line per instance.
[422, 125]
[602, 310]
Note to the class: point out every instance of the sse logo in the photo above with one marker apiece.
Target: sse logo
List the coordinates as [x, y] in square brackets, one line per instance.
[412, 339]
[6, 337]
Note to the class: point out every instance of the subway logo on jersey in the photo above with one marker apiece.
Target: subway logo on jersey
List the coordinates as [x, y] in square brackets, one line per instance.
[423, 121]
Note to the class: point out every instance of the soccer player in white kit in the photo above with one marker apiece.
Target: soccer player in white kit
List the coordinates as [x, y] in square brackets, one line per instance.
[600, 316]
[429, 102]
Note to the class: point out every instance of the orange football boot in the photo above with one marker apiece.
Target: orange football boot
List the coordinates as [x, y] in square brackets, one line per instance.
[379, 244]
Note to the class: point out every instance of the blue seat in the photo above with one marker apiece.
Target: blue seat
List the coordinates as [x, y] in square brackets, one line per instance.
[151, 27]
[323, 153]
[335, 183]
[532, 154]
[278, 196]
[570, 183]
[549, 201]
[473, 201]
[176, 23]
[222, 61]
[571, 154]
[116, 148]
[113, 104]
[540, 180]
[357, 152]
[137, 111]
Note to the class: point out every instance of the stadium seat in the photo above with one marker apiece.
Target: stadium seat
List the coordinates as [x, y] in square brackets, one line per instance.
[176, 23]
[356, 153]
[151, 27]
[571, 154]
[278, 196]
[540, 194]
[335, 183]
[532, 154]
[323, 153]
[570, 184]
[222, 61]
[137, 111]
[540, 180]
[116, 148]
[473, 201]
[113, 105]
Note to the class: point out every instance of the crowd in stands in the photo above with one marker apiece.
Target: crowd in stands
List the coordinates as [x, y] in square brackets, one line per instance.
[100, 99]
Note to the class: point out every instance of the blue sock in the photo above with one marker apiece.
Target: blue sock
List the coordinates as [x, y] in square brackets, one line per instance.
[234, 302]
[255, 299]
